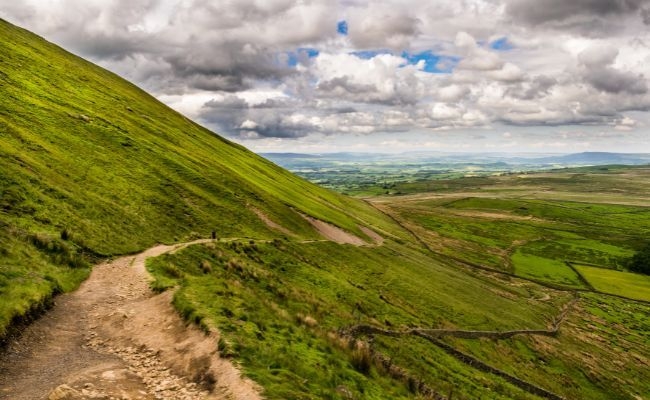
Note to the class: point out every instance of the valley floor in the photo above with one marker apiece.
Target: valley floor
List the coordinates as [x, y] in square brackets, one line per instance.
[113, 338]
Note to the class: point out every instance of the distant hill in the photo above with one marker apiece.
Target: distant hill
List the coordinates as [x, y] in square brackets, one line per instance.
[597, 158]
[585, 158]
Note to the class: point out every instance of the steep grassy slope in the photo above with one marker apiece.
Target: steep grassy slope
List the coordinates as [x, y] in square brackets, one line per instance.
[90, 165]
[283, 309]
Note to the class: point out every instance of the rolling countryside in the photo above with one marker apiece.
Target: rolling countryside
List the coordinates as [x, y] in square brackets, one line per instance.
[113, 206]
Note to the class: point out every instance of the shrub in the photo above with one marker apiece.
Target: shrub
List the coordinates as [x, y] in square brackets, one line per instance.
[205, 266]
[640, 262]
[66, 234]
[59, 252]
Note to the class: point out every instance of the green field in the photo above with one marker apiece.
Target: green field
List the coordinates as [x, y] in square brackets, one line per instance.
[521, 234]
[544, 269]
[626, 284]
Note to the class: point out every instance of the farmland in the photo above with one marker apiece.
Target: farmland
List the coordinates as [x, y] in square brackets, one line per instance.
[484, 258]
[620, 283]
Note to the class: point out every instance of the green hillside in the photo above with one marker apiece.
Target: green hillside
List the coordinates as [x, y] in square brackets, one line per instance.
[92, 167]
[89, 158]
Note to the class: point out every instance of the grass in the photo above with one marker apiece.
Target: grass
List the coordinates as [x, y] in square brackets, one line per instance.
[600, 354]
[31, 274]
[489, 230]
[626, 284]
[530, 226]
[91, 166]
[545, 269]
[586, 250]
[281, 306]
[85, 153]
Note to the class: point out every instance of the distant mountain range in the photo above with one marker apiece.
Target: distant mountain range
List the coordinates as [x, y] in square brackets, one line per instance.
[598, 158]
[529, 159]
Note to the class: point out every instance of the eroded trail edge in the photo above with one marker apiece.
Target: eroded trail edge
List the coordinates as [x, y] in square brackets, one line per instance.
[114, 338]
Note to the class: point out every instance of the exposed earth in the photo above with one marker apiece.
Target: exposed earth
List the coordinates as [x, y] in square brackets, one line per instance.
[114, 338]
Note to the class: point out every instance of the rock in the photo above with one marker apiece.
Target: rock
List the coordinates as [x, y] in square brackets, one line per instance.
[109, 375]
[64, 392]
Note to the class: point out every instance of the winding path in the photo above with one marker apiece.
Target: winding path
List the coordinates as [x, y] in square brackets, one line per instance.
[114, 339]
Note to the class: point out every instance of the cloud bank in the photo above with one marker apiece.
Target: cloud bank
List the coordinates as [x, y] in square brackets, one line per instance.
[285, 74]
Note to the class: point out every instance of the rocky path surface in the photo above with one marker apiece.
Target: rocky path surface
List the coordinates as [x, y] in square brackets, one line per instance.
[114, 339]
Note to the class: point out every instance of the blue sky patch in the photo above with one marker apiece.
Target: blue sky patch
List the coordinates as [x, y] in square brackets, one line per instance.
[368, 54]
[342, 27]
[433, 63]
[501, 44]
[293, 57]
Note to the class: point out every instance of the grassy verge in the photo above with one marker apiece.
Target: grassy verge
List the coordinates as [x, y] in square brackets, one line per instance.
[33, 268]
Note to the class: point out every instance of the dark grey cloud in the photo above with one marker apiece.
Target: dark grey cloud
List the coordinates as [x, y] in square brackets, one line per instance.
[373, 27]
[537, 87]
[645, 14]
[610, 80]
[599, 72]
[270, 118]
[228, 102]
[541, 11]
[344, 85]
[208, 45]
[230, 70]
[553, 118]
[588, 17]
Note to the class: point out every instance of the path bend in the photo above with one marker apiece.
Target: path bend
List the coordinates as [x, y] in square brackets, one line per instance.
[113, 338]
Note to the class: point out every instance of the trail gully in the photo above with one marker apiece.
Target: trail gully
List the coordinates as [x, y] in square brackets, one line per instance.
[114, 339]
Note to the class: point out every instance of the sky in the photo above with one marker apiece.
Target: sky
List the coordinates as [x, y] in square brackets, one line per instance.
[542, 76]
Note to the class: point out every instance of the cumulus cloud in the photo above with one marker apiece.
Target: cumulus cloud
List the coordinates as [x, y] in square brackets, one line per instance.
[382, 79]
[375, 25]
[259, 70]
[598, 71]
[589, 17]
[206, 45]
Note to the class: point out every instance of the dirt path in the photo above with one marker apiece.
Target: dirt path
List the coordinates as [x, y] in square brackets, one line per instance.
[114, 339]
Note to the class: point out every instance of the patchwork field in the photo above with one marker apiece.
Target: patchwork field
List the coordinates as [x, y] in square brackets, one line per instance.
[507, 227]
[545, 269]
[621, 283]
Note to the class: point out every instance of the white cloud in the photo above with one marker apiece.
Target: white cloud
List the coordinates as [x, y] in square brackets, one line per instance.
[249, 125]
[238, 66]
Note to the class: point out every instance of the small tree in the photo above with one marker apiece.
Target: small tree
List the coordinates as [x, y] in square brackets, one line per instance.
[640, 262]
